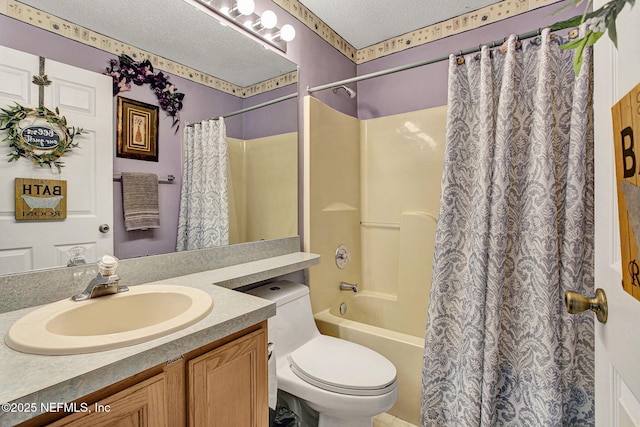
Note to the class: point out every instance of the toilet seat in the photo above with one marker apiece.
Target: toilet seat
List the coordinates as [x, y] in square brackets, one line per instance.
[341, 366]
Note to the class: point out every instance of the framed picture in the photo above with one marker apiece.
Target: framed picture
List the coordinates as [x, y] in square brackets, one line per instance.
[137, 130]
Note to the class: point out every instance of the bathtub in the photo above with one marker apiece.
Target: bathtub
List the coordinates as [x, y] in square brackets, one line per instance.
[368, 321]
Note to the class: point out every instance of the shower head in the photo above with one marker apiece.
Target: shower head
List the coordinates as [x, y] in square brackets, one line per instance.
[350, 92]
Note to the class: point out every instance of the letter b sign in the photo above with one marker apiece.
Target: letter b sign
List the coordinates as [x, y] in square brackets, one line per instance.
[628, 154]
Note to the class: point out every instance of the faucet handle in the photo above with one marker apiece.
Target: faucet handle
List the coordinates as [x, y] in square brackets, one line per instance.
[76, 256]
[107, 265]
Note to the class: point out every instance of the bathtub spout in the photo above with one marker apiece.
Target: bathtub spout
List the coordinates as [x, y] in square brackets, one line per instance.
[344, 286]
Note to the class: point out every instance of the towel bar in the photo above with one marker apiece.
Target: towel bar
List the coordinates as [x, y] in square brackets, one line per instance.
[166, 179]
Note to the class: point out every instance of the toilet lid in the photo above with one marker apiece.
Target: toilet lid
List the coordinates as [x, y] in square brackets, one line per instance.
[343, 367]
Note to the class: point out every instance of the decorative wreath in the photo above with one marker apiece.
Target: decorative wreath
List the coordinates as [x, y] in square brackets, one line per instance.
[62, 137]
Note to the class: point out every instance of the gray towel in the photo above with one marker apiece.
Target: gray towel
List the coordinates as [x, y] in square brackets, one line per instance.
[140, 201]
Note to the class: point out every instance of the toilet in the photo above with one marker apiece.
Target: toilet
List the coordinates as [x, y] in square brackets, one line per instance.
[345, 383]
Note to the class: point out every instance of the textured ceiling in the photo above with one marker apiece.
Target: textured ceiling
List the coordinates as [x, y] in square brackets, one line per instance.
[175, 30]
[363, 23]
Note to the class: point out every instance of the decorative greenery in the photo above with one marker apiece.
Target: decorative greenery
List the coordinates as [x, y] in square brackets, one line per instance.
[10, 121]
[598, 21]
[125, 71]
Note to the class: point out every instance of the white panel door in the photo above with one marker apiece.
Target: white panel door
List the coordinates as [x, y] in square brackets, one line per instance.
[85, 99]
[617, 341]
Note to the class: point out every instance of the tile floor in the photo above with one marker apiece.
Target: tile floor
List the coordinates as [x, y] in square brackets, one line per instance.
[388, 420]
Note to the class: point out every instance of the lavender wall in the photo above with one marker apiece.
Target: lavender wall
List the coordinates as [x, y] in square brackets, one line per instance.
[426, 86]
[274, 119]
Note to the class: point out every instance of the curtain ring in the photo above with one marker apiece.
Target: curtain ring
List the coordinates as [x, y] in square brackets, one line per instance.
[503, 46]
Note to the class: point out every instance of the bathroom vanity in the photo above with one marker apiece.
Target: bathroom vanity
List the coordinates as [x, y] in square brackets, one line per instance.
[220, 384]
[213, 372]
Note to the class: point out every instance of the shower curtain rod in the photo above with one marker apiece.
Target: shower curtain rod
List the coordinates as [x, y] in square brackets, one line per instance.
[254, 107]
[426, 62]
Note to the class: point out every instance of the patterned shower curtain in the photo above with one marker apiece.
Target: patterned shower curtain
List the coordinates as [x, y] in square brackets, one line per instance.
[204, 204]
[515, 231]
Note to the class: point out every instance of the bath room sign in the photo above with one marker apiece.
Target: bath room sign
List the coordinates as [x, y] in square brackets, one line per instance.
[40, 199]
[626, 136]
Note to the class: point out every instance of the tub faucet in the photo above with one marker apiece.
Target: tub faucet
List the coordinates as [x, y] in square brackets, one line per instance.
[344, 286]
[106, 281]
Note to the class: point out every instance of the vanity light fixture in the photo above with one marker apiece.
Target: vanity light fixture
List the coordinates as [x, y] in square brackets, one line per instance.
[227, 11]
[268, 19]
[287, 32]
[242, 14]
[246, 7]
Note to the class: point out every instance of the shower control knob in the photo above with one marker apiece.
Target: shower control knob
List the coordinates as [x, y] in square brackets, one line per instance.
[342, 256]
[104, 228]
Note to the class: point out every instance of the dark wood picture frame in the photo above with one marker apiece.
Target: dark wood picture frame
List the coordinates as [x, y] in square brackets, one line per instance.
[137, 130]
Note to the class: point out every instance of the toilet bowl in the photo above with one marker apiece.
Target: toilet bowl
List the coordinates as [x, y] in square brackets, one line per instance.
[345, 383]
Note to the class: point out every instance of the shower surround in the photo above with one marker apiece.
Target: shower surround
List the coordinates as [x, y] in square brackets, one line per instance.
[257, 167]
[374, 186]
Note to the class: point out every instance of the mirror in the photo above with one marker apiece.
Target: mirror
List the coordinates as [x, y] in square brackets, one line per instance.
[219, 70]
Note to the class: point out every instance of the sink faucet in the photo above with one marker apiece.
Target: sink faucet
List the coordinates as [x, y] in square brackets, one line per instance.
[344, 286]
[106, 281]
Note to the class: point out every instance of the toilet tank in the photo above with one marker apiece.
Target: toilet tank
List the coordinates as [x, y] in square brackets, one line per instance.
[293, 324]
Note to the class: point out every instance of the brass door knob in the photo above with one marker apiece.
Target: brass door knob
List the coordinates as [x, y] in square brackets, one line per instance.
[577, 303]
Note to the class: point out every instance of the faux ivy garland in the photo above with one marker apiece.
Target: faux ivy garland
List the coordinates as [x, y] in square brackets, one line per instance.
[125, 71]
[27, 142]
[598, 21]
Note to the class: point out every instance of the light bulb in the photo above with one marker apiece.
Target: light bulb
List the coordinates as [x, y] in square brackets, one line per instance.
[246, 7]
[287, 32]
[268, 19]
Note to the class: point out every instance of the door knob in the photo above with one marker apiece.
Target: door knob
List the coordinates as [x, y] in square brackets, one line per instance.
[104, 228]
[577, 303]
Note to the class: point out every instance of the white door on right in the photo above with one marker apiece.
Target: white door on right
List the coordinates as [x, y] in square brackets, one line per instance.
[617, 342]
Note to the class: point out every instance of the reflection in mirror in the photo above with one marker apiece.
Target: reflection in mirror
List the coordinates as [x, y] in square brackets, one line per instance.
[262, 143]
[258, 201]
[264, 175]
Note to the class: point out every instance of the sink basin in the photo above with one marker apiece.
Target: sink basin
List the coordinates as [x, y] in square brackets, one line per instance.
[143, 313]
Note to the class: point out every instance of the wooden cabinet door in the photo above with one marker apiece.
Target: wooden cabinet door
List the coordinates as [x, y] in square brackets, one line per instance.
[142, 405]
[227, 386]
